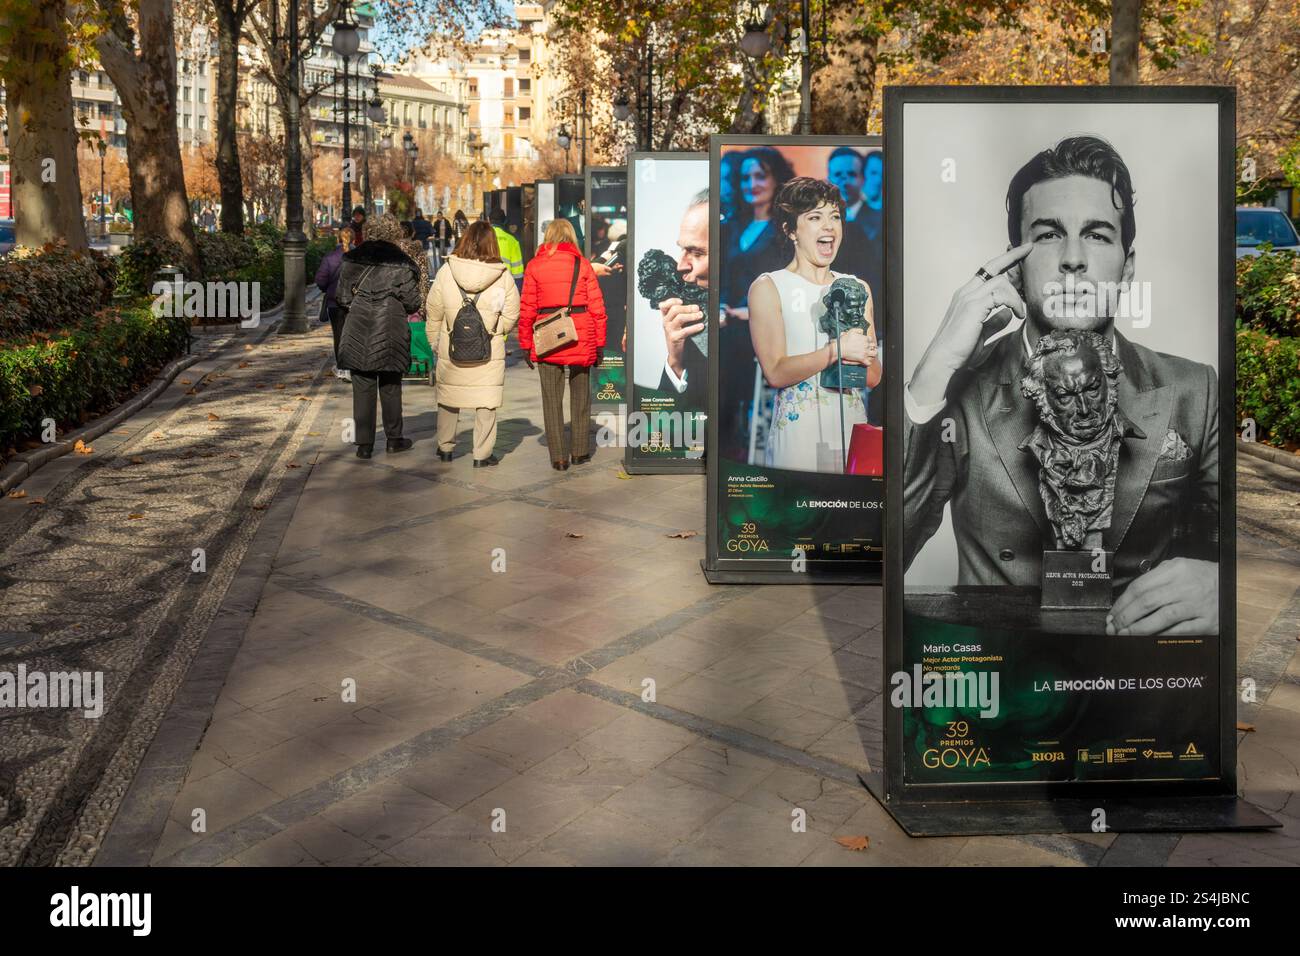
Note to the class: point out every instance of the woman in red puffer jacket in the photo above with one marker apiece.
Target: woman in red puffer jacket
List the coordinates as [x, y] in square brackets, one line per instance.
[547, 281]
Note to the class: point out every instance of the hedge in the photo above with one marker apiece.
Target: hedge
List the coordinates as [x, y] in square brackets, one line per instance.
[1268, 386]
[1268, 292]
[84, 370]
[50, 288]
[256, 256]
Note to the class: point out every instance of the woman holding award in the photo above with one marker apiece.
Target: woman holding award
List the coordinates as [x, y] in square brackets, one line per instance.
[813, 331]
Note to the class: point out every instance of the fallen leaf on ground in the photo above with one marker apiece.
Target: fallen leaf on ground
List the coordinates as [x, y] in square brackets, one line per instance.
[133, 515]
[191, 391]
[213, 417]
[573, 534]
[682, 534]
[624, 476]
[124, 361]
[259, 507]
[137, 461]
[18, 494]
[243, 365]
[260, 385]
[854, 842]
[293, 464]
[1248, 728]
[303, 398]
[279, 387]
[37, 501]
[186, 381]
[248, 348]
[81, 448]
[314, 434]
[35, 390]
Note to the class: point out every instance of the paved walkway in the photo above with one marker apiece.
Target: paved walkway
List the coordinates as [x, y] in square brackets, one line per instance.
[405, 661]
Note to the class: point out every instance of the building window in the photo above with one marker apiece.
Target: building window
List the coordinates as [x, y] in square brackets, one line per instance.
[510, 116]
[525, 56]
[508, 144]
[202, 94]
[406, 114]
[525, 85]
[525, 114]
[473, 87]
[510, 86]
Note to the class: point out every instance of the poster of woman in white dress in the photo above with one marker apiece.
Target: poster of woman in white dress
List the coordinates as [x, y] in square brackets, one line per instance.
[812, 414]
[795, 444]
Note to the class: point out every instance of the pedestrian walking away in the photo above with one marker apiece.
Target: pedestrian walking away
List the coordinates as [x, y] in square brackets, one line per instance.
[378, 287]
[327, 280]
[560, 280]
[511, 254]
[473, 289]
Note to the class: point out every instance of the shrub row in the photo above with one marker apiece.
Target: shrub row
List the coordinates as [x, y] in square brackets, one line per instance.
[1268, 292]
[1268, 385]
[49, 288]
[83, 370]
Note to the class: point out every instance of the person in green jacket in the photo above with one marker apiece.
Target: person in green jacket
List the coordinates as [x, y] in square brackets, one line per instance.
[511, 254]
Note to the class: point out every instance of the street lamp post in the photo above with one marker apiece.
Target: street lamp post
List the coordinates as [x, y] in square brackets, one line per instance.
[565, 140]
[102, 146]
[295, 242]
[374, 114]
[756, 42]
[346, 42]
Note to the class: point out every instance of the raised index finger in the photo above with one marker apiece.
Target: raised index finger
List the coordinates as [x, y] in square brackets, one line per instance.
[1002, 263]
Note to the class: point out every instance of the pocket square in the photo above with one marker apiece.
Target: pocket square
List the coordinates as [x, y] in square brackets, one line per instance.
[1173, 448]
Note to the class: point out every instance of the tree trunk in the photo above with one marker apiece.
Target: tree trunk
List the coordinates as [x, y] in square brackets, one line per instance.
[230, 17]
[749, 117]
[46, 195]
[309, 174]
[844, 89]
[147, 85]
[1125, 40]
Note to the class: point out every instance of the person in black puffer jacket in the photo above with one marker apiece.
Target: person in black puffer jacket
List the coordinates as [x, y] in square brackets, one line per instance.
[378, 287]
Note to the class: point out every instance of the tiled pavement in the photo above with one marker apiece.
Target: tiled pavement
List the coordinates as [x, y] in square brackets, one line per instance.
[503, 716]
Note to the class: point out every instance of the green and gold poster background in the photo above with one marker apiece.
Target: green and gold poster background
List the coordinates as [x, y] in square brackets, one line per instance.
[606, 237]
[1070, 707]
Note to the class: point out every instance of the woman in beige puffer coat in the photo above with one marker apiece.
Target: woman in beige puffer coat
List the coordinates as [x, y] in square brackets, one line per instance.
[474, 269]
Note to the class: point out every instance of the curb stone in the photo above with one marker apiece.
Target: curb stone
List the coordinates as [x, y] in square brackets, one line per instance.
[1268, 453]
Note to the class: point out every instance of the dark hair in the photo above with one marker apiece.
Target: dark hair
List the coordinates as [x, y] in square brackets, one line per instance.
[1088, 156]
[800, 195]
[460, 216]
[408, 232]
[498, 216]
[776, 165]
[847, 151]
[479, 242]
[875, 154]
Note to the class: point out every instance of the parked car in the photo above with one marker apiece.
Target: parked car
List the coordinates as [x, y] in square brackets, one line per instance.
[1257, 225]
[8, 236]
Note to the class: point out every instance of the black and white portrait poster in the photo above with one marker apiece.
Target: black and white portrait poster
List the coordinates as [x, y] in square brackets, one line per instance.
[545, 209]
[1058, 286]
[668, 289]
[795, 459]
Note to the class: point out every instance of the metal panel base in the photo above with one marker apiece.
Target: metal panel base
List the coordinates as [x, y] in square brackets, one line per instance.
[1012, 817]
[760, 576]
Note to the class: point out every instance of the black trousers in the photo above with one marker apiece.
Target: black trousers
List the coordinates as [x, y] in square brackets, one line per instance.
[389, 386]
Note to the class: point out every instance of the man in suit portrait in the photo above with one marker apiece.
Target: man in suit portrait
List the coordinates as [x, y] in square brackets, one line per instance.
[686, 367]
[1071, 228]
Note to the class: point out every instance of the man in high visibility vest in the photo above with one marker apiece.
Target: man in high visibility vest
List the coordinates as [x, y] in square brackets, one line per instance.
[511, 254]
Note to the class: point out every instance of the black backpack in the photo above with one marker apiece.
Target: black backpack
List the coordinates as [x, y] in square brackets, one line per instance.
[469, 341]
